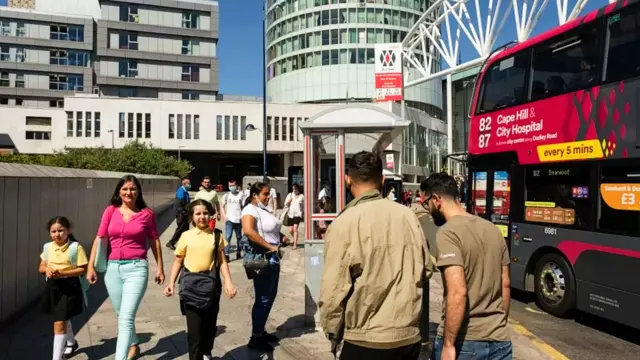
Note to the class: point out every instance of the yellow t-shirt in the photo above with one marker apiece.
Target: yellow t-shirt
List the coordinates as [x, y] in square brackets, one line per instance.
[207, 195]
[58, 257]
[196, 246]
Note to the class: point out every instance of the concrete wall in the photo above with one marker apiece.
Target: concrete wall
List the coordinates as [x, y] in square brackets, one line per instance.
[27, 203]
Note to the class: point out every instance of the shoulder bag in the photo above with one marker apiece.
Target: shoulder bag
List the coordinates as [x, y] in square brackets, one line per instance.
[201, 289]
[254, 259]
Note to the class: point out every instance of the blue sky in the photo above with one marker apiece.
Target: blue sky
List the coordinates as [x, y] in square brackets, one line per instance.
[240, 45]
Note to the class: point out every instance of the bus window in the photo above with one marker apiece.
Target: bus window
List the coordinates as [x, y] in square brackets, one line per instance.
[619, 205]
[623, 60]
[479, 193]
[558, 195]
[503, 83]
[501, 196]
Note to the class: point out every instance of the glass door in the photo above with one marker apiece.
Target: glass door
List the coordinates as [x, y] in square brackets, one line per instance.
[489, 197]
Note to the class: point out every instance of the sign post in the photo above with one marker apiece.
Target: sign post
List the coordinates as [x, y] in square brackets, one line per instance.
[388, 72]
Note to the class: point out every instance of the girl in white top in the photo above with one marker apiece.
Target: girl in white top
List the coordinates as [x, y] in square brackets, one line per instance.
[294, 202]
[263, 231]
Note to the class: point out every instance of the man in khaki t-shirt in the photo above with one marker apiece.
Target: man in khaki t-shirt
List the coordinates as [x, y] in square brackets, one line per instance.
[473, 258]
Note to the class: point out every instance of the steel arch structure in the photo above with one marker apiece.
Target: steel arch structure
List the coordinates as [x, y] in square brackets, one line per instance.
[434, 40]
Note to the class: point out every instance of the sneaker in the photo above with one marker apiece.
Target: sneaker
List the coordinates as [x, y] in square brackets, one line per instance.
[171, 246]
[259, 343]
[238, 255]
[70, 349]
[207, 357]
[270, 337]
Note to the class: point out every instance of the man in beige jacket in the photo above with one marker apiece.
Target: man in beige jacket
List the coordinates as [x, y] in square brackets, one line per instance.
[375, 265]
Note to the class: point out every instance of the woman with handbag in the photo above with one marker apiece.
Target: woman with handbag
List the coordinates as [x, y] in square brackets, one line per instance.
[126, 231]
[200, 251]
[293, 205]
[262, 262]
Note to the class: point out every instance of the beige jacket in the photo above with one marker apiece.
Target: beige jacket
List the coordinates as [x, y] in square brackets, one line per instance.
[374, 269]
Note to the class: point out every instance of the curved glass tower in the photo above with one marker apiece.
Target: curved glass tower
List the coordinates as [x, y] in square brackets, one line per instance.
[323, 50]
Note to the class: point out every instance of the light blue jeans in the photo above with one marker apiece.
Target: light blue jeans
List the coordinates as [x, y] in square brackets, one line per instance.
[126, 282]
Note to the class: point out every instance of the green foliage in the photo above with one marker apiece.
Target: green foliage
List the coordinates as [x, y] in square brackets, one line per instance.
[135, 157]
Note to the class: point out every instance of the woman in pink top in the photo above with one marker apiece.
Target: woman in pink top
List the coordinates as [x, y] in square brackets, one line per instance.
[130, 227]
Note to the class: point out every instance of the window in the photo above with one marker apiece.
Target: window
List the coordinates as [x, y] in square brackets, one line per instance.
[57, 82]
[128, 41]
[187, 126]
[191, 73]
[218, 127]
[58, 32]
[284, 129]
[38, 121]
[196, 127]
[21, 30]
[558, 195]
[147, 126]
[56, 103]
[129, 13]
[565, 65]
[190, 47]
[76, 33]
[5, 28]
[292, 128]
[128, 68]
[20, 55]
[78, 123]
[87, 124]
[190, 20]
[622, 60]
[138, 126]
[617, 213]
[121, 126]
[130, 125]
[75, 82]
[4, 79]
[227, 127]
[19, 102]
[298, 120]
[126, 92]
[243, 128]
[38, 135]
[5, 55]
[69, 123]
[96, 128]
[503, 83]
[78, 58]
[190, 95]
[269, 127]
[4, 101]
[234, 133]
[58, 57]
[20, 80]
[276, 135]
[180, 128]
[172, 126]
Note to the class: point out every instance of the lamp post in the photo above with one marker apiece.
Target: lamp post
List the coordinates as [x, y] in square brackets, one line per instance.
[251, 127]
[112, 142]
[179, 147]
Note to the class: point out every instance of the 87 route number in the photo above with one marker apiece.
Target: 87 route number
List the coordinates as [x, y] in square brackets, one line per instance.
[485, 126]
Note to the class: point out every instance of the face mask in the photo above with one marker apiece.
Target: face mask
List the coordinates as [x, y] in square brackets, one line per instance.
[261, 205]
[438, 217]
[233, 188]
[187, 186]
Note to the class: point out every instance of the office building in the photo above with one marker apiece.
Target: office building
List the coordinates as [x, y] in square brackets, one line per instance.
[323, 51]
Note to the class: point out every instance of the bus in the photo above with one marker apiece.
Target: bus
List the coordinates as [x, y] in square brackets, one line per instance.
[554, 162]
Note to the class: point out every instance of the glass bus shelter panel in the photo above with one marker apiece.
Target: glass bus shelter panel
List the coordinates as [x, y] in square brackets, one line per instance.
[319, 227]
[324, 174]
[479, 193]
[501, 201]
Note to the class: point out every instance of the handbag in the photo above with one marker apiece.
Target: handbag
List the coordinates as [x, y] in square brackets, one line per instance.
[200, 290]
[254, 259]
[102, 252]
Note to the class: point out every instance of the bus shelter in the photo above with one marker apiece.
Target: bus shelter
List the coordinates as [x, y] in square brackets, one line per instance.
[329, 138]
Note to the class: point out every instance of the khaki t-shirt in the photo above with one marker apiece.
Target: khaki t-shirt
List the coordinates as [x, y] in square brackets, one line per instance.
[478, 246]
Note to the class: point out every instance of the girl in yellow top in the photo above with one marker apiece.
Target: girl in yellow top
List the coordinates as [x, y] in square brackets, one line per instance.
[63, 262]
[195, 252]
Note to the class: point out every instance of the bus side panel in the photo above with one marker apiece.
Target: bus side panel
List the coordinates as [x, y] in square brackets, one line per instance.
[612, 304]
[526, 239]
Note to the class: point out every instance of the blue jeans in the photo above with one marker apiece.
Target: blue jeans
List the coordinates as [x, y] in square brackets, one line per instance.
[266, 288]
[229, 229]
[126, 283]
[477, 350]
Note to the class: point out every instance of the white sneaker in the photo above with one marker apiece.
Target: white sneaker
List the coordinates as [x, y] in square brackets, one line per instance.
[207, 357]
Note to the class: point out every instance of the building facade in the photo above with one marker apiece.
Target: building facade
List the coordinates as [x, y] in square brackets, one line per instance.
[44, 57]
[323, 51]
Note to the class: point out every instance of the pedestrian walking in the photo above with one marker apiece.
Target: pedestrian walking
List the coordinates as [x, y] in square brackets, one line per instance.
[473, 259]
[207, 193]
[232, 212]
[64, 262]
[129, 229]
[376, 312]
[272, 204]
[180, 207]
[293, 205]
[263, 231]
[200, 257]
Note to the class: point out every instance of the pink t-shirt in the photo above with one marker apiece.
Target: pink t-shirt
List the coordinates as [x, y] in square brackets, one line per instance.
[128, 241]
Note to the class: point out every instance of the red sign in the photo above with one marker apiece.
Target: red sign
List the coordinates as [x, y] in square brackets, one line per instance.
[389, 87]
[388, 72]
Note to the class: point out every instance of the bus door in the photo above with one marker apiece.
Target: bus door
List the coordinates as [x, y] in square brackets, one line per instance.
[490, 196]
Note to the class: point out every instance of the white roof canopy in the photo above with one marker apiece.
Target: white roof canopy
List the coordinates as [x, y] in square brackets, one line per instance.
[354, 118]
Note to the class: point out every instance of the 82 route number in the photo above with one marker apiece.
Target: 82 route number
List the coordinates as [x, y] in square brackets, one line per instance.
[485, 125]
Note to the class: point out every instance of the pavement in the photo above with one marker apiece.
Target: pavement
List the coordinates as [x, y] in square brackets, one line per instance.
[162, 328]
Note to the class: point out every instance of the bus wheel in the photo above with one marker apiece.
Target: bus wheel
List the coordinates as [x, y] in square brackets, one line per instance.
[555, 285]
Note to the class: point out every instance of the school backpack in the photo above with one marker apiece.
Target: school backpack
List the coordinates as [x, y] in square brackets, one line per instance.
[73, 258]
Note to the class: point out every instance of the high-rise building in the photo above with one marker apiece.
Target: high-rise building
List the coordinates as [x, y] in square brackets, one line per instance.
[323, 50]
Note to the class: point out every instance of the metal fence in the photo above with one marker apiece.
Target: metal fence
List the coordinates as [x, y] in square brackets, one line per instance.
[31, 195]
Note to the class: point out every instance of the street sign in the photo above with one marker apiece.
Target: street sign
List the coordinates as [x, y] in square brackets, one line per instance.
[388, 72]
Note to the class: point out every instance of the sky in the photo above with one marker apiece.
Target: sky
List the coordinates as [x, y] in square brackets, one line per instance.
[240, 45]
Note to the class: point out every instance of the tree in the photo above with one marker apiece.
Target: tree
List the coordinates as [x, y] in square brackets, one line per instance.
[135, 157]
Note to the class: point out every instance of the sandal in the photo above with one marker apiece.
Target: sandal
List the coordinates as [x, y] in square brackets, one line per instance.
[136, 353]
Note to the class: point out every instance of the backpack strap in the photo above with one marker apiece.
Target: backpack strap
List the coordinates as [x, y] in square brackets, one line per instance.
[216, 247]
[45, 251]
[73, 254]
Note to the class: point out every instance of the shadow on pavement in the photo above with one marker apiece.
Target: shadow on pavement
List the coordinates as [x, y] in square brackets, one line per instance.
[245, 353]
[107, 347]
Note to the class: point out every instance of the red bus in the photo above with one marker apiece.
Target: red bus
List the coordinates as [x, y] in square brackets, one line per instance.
[554, 132]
